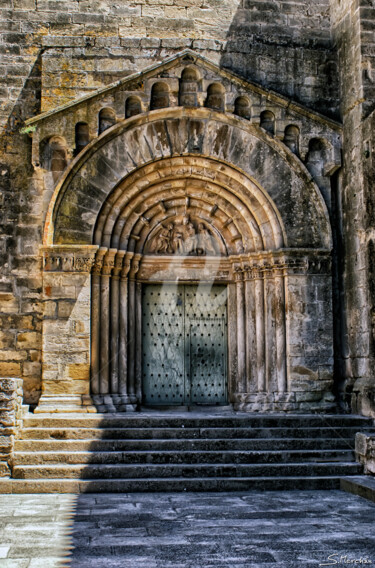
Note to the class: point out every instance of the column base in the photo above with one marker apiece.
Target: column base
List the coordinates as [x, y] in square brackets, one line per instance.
[112, 403]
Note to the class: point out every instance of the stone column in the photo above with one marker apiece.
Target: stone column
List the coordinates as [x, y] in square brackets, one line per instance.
[126, 404]
[104, 357]
[241, 330]
[260, 329]
[114, 332]
[280, 330]
[138, 346]
[251, 357]
[132, 329]
[270, 328]
[95, 320]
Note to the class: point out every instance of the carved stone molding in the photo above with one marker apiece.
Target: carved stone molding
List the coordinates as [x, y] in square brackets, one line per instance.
[68, 258]
[282, 263]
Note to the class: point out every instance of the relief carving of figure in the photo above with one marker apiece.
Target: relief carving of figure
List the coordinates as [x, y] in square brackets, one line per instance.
[164, 240]
[205, 243]
[182, 238]
[178, 242]
[186, 233]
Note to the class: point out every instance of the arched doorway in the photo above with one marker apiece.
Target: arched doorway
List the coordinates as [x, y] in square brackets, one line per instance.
[182, 199]
[186, 229]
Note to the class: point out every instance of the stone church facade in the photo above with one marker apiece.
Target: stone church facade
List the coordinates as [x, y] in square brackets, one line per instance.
[187, 207]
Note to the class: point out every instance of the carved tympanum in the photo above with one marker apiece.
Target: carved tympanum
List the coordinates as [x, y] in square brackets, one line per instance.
[183, 238]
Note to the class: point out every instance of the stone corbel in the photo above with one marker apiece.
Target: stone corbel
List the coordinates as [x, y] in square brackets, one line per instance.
[35, 149]
[334, 162]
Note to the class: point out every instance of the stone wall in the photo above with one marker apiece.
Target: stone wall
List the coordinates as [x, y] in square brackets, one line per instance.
[54, 51]
[352, 22]
[11, 394]
[78, 46]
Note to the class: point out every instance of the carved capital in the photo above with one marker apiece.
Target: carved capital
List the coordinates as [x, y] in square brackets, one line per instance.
[126, 265]
[238, 273]
[97, 266]
[134, 267]
[118, 264]
[109, 262]
[99, 259]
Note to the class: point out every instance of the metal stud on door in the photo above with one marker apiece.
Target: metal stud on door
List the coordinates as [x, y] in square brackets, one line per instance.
[163, 345]
[184, 344]
[205, 318]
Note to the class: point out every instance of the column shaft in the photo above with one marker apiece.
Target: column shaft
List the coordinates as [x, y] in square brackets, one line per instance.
[131, 340]
[280, 334]
[138, 346]
[104, 334]
[241, 336]
[260, 335]
[123, 340]
[114, 335]
[251, 358]
[95, 333]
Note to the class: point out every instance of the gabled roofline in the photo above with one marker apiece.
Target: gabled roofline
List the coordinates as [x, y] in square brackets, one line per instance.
[270, 94]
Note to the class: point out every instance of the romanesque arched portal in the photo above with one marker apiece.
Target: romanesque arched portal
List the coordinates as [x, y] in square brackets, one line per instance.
[178, 199]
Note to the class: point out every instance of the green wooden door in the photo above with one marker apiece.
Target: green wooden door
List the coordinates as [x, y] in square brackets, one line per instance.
[184, 349]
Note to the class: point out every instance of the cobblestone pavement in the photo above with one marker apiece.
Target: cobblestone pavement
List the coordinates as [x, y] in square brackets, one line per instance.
[189, 530]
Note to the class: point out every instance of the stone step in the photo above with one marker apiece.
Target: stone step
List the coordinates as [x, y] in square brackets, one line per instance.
[143, 420]
[183, 457]
[101, 471]
[363, 485]
[271, 483]
[185, 444]
[183, 432]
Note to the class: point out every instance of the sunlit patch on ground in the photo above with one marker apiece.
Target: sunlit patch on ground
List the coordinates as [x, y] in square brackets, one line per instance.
[186, 530]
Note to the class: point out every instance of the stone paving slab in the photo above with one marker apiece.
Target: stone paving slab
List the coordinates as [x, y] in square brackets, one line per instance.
[280, 529]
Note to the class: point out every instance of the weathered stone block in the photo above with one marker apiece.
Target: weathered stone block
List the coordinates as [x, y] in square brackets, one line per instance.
[65, 308]
[10, 369]
[80, 371]
[76, 386]
[28, 340]
[4, 469]
[50, 309]
[365, 451]
[31, 369]
[7, 339]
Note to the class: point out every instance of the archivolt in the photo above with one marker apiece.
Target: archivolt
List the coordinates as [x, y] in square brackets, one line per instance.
[269, 193]
[233, 206]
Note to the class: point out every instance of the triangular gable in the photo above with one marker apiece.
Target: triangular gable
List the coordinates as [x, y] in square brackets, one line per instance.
[165, 71]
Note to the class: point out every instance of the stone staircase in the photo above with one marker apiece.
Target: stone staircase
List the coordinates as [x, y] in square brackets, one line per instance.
[178, 452]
